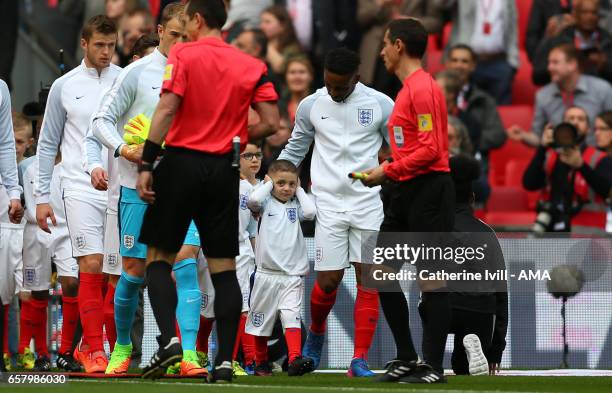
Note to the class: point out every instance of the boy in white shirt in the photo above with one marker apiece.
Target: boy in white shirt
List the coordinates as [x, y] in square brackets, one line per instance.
[250, 162]
[282, 263]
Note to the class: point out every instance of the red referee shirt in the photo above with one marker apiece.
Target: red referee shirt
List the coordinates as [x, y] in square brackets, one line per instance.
[418, 129]
[218, 83]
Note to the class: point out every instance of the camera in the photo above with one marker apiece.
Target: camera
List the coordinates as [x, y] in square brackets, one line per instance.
[565, 135]
[543, 218]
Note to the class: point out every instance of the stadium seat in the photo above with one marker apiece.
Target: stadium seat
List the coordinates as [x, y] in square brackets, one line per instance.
[514, 177]
[511, 150]
[523, 8]
[446, 33]
[520, 115]
[508, 208]
[434, 42]
[523, 89]
[434, 61]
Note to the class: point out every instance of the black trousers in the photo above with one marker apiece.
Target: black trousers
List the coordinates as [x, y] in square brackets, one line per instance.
[464, 322]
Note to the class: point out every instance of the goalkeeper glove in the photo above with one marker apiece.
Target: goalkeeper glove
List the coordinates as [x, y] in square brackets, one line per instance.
[137, 130]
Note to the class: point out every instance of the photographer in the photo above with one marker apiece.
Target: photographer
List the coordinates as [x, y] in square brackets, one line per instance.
[574, 178]
[603, 140]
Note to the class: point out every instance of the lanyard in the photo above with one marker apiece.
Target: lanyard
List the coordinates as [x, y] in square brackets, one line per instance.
[568, 99]
[486, 6]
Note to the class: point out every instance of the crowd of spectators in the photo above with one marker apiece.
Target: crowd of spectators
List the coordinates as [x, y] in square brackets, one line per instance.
[483, 44]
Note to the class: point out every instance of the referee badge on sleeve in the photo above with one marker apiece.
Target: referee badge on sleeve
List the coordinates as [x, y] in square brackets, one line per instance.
[398, 135]
[168, 72]
[425, 122]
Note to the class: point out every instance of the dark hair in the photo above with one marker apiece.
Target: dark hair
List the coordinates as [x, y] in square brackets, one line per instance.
[465, 48]
[260, 39]
[412, 33]
[342, 61]
[171, 11]
[570, 51]
[281, 14]
[98, 24]
[464, 170]
[606, 117]
[452, 81]
[282, 166]
[213, 12]
[143, 43]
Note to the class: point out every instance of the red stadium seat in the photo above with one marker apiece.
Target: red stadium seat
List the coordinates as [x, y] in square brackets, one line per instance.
[520, 115]
[508, 208]
[523, 8]
[523, 89]
[434, 42]
[511, 150]
[514, 177]
[446, 33]
[434, 61]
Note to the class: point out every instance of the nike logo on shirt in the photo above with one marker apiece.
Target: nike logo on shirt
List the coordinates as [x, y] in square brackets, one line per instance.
[271, 215]
[324, 117]
[155, 87]
[78, 98]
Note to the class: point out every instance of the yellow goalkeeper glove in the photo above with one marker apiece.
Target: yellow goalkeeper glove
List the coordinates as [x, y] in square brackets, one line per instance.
[137, 130]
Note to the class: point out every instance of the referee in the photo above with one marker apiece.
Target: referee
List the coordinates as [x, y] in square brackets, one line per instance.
[419, 196]
[205, 97]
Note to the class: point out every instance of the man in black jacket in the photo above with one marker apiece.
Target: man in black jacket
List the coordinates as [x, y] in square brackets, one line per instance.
[478, 308]
[547, 18]
[594, 43]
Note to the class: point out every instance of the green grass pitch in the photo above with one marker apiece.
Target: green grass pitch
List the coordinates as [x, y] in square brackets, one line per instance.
[327, 383]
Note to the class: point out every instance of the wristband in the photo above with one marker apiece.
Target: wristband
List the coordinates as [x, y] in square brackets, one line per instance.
[145, 167]
[150, 151]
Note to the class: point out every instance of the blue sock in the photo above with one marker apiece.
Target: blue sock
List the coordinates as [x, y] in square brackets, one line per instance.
[126, 303]
[189, 300]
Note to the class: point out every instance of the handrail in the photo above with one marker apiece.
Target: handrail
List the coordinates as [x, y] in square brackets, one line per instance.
[46, 44]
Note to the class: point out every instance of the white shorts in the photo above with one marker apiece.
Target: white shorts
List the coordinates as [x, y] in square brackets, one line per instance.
[275, 294]
[85, 220]
[40, 249]
[338, 236]
[11, 246]
[243, 274]
[112, 259]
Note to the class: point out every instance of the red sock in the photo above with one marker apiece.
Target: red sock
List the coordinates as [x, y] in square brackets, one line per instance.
[26, 326]
[248, 347]
[321, 304]
[239, 335]
[90, 308]
[5, 312]
[365, 315]
[206, 326]
[294, 342]
[261, 349]
[70, 312]
[177, 329]
[39, 331]
[109, 316]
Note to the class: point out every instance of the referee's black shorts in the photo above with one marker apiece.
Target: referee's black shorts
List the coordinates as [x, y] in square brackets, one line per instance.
[415, 207]
[192, 185]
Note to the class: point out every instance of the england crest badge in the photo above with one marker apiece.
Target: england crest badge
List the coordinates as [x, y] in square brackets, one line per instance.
[292, 214]
[365, 116]
[257, 319]
[128, 241]
[243, 201]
